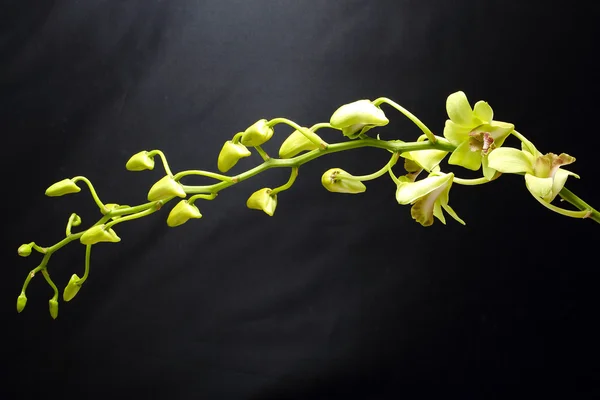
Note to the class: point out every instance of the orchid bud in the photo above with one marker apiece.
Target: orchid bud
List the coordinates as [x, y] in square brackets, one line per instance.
[339, 181]
[257, 134]
[165, 188]
[21, 302]
[24, 250]
[298, 142]
[140, 162]
[230, 154]
[53, 308]
[353, 117]
[72, 288]
[181, 213]
[263, 200]
[66, 186]
[97, 234]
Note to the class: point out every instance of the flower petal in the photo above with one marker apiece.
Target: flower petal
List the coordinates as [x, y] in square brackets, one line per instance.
[510, 160]
[409, 192]
[459, 110]
[539, 187]
[455, 133]
[500, 131]
[560, 178]
[483, 111]
[427, 159]
[466, 158]
[488, 172]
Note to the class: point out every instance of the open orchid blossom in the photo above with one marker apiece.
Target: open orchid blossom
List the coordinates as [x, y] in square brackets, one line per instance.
[471, 136]
[474, 133]
[544, 177]
[428, 197]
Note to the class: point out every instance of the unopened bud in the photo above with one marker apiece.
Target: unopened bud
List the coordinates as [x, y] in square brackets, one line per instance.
[66, 186]
[140, 162]
[263, 200]
[351, 118]
[21, 302]
[257, 134]
[230, 154]
[165, 188]
[53, 308]
[97, 234]
[24, 250]
[339, 181]
[72, 288]
[182, 213]
[298, 142]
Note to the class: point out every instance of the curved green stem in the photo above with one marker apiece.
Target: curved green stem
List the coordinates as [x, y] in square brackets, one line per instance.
[321, 125]
[131, 217]
[573, 199]
[409, 115]
[562, 211]
[387, 167]
[262, 153]
[471, 182]
[34, 271]
[393, 146]
[88, 255]
[236, 138]
[50, 282]
[92, 190]
[308, 133]
[525, 141]
[208, 174]
[164, 160]
[211, 196]
[288, 184]
[394, 177]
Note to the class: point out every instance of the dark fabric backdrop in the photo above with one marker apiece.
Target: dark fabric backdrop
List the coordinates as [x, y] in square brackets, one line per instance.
[335, 296]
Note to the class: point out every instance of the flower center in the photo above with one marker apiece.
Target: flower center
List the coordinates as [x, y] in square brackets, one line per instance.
[481, 141]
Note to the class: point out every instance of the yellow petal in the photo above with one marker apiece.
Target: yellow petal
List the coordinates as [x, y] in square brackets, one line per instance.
[165, 188]
[66, 186]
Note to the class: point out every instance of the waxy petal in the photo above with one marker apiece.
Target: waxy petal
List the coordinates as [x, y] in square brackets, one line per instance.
[337, 180]
[510, 160]
[483, 111]
[166, 187]
[539, 187]
[427, 159]
[459, 110]
[296, 143]
[408, 192]
[559, 180]
[455, 133]
[257, 134]
[66, 186]
[466, 158]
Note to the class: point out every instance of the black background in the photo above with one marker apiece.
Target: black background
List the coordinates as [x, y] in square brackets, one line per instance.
[336, 296]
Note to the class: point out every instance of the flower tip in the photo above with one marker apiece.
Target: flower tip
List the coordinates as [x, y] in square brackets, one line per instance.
[66, 186]
[140, 162]
[24, 250]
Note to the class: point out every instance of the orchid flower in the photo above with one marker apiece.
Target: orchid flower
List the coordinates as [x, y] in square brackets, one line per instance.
[474, 133]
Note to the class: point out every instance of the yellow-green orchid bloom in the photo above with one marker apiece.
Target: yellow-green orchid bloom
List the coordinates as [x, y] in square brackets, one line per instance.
[428, 197]
[337, 180]
[543, 176]
[474, 133]
[182, 213]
